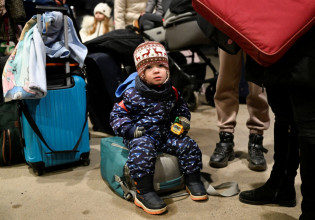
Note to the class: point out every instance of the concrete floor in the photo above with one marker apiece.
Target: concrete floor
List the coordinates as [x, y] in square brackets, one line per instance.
[78, 192]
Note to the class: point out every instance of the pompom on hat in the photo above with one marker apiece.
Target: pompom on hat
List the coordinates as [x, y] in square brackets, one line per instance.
[147, 53]
[103, 8]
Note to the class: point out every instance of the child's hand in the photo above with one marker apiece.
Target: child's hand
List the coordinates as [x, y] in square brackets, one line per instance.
[185, 122]
[135, 132]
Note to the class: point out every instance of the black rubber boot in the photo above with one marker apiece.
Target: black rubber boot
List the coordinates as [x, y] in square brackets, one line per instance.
[279, 189]
[195, 187]
[146, 198]
[224, 151]
[256, 152]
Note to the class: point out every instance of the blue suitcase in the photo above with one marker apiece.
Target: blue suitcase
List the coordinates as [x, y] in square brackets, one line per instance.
[61, 118]
[55, 127]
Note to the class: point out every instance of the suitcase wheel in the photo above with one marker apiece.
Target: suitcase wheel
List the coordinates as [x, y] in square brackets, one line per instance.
[38, 168]
[85, 159]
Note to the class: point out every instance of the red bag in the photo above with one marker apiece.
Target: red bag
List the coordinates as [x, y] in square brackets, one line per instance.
[264, 29]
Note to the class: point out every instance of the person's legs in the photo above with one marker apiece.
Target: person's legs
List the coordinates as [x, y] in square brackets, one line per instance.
[307, 177]
[279, 189]
[141, 163]
[227, 88]
[304, 112]
[190, 163]
[258, 109]
[258, 121]
[226, 101]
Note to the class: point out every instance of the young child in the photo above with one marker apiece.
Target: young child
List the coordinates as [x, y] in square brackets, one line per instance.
[144, 118]
[98, 25]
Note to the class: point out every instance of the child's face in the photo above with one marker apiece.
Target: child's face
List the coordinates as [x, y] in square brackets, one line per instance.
[99, 16]
[155, 74]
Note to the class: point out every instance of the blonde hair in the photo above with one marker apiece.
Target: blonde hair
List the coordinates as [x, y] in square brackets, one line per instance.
[105, 26]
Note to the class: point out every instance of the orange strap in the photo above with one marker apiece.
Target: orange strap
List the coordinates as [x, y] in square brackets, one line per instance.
[61, 64]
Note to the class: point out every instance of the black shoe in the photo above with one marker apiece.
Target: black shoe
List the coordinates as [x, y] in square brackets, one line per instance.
[283, 196]
[224, 151]
[256, 152]
[195, 187]
[151, 203]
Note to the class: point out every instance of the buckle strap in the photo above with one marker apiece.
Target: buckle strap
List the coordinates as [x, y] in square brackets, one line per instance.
[128, 194]
[258, 147]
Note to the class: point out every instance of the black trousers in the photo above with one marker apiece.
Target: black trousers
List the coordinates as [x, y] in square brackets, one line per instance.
[297, 105]
[286, 147]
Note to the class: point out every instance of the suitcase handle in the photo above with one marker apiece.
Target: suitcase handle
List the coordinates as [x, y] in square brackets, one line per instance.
[43, 8]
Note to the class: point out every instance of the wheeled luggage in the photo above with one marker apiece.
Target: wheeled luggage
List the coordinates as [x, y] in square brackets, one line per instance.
[265, 30]
[104, 74]
[55, 127]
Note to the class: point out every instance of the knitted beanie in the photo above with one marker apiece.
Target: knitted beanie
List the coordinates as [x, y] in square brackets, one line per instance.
[147, 53]
[103, 8]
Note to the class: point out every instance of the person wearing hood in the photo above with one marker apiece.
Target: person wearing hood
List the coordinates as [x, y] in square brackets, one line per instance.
[145, 119]
[98, 25]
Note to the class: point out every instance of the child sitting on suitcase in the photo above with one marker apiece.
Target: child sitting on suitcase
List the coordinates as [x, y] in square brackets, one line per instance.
[144, 118]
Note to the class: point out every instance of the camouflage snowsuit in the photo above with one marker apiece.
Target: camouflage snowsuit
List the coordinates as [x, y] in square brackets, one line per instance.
[156, 117]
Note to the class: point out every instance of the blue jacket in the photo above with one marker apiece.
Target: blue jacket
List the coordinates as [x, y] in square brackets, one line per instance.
[155, 116]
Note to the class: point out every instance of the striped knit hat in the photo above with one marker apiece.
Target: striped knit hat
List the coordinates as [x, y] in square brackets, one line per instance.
[148, 53]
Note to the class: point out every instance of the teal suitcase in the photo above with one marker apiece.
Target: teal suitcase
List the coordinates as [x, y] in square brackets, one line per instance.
[115, 173]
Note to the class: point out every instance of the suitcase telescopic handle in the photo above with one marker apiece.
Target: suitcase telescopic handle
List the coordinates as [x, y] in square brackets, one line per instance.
[40, 9]
[43, 8]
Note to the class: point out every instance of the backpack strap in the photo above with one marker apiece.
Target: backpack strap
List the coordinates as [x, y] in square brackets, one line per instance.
[176, 92]
[122, 105]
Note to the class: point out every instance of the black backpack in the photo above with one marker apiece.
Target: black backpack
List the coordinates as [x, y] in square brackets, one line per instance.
[119, 44]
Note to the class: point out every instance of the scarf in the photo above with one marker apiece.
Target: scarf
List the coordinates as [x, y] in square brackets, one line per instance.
[153, 92]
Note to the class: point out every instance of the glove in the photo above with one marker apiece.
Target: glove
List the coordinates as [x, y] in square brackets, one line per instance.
[135, 132]
[185, 122]
[139, 132]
